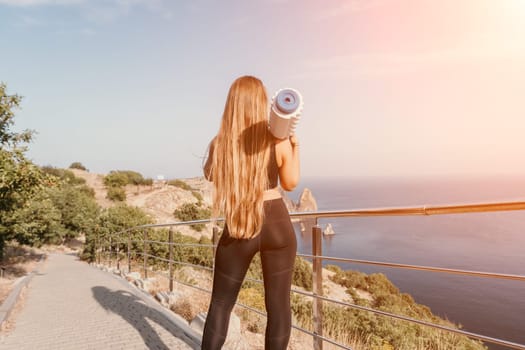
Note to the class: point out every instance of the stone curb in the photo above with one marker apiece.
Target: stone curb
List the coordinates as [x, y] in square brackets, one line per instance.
[9, 303]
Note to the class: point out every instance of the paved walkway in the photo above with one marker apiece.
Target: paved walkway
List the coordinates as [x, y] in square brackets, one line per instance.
[72, 305]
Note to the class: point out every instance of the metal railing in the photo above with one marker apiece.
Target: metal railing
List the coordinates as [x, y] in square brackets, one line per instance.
[318, 258]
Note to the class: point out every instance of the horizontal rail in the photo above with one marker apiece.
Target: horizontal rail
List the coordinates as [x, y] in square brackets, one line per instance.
[421, 210]
[175, 261]
[422, 268]
[389, 211]
[180, 244]
[180, 282]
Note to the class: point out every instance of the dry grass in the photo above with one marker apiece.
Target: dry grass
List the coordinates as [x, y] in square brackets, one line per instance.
[9, 324]
[18, 261]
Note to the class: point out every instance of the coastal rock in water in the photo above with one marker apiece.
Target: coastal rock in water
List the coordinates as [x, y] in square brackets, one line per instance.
[329, 230]
[307, 201]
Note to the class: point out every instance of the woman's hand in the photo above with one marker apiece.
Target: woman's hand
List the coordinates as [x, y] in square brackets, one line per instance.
[293, 141]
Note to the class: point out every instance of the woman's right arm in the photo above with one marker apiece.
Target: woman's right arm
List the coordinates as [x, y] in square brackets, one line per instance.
[287, 152]
[208, 173]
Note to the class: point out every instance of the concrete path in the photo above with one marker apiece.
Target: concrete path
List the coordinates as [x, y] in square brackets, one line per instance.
[72, 305]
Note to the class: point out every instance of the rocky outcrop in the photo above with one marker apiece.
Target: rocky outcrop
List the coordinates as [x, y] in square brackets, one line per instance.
[329, 230]
[306, 201]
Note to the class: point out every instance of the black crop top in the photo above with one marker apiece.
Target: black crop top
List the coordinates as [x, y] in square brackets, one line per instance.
[273, 169]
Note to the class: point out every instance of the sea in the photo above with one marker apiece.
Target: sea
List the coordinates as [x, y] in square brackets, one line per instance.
[487, 242]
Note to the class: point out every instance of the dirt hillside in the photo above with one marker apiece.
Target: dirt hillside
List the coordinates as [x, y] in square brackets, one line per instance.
[159, 200]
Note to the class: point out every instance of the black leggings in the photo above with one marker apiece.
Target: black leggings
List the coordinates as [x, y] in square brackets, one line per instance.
[278, 245]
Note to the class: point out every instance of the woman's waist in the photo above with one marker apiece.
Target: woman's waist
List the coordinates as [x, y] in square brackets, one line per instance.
[272, 193]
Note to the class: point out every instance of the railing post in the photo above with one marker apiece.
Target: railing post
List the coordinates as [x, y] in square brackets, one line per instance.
[129, 251]
[144, 254]
[97, 248]
[317, 275]
[215, 241]
[170, 263]
[118, 256]
[109, 254]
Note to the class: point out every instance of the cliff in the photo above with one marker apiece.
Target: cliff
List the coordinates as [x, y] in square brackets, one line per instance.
[306, 201]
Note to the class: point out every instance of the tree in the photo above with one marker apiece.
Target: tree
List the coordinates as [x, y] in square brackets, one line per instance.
[79, 211]
[38, 223]
[20, 178]
[112, 220]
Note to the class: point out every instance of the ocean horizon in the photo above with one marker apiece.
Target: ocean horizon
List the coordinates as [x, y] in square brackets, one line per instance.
[488, 242]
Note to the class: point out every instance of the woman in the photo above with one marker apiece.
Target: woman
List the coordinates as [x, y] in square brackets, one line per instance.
[245, 162]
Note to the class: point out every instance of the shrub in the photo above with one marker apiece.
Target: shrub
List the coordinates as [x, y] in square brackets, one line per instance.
[302, 273]
[133, 177]
[112, 220]
[192, 211]
[88, 191]
[184, 307]
[77, 165]
[198, 196]
[147, 182]
[119, 178]
[63, 174]
[180, 184]
[116, 194]
[78, 208]
[115, 179]
[38, 223]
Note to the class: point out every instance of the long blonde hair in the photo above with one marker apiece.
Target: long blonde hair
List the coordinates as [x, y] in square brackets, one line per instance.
[240, 158]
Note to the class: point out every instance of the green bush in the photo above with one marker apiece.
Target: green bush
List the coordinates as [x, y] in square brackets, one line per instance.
[77, 165]
[180, 184]
[302, 273]
[198, 196]
[147, 182]
[78, 208]
[88, 191]
[64, 175]
[38, 223]
[116, 194]
[111, 221]
[192, 211]
[115, 179]
[120, 178]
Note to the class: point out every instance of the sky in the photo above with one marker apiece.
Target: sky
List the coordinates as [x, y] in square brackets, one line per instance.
[391, 88]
